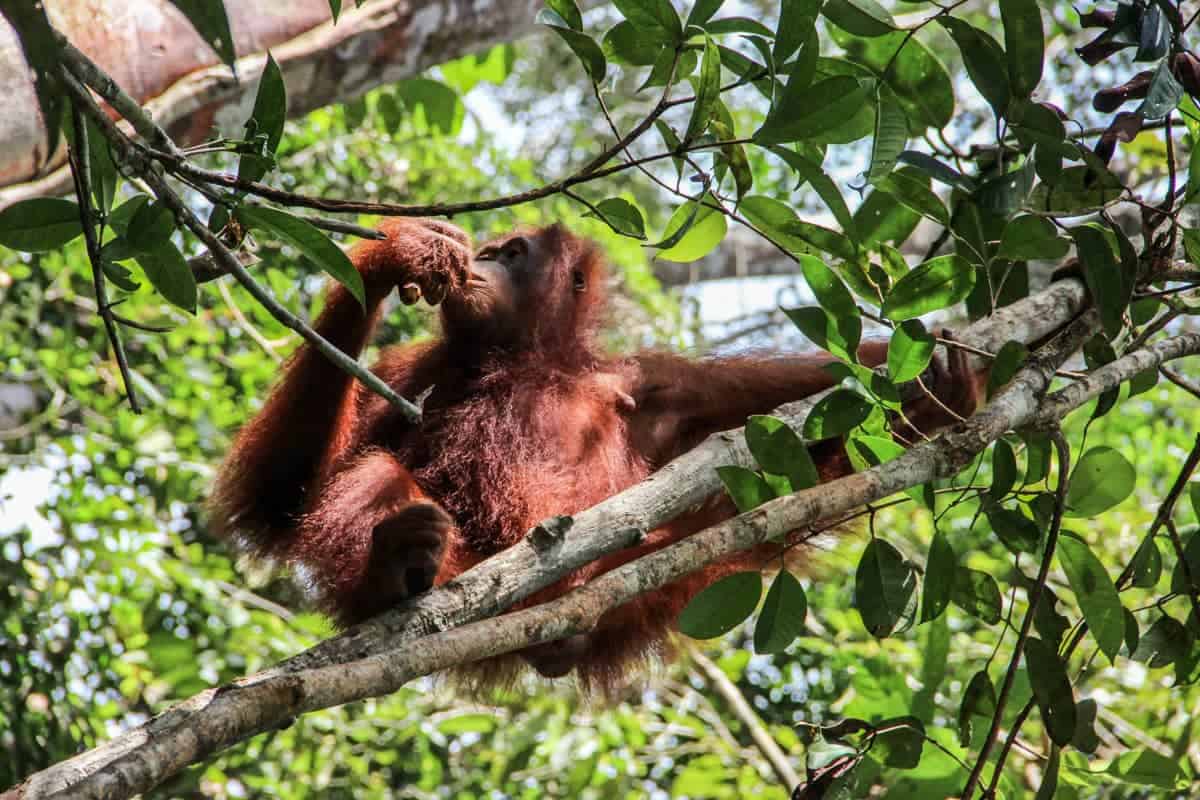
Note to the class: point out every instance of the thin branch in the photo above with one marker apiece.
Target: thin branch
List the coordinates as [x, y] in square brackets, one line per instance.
[79, 159]
[1186, 384]
[226, 259]
[1063, 450]
[763, 740]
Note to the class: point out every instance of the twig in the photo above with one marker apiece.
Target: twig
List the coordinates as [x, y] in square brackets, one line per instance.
[1035, 594]
[762, 737]
[79, 158]
[1183, 383]
[227, 259]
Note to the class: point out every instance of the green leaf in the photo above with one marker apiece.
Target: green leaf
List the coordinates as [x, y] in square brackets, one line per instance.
[860, 17]
[1029, 237]
[1018, 532]
[103, 171]
[986, 63]
[891, 135]
[151, 226]
[1037, 457]
[885, 589]
[39, 224]
[702, 12]
[746, 487]
[584, 46]
[916, 195]
[626, 43]
[1085, 738]
[694, 231]
[1101, 479]
[927, 165]
[265, 126]
[1004, 470]
[314, 245]
[899, 742]
[837, 336]
[1009, 358]
[708, 90]
[830, 292]
[210, 21]
[1164, 93]
[977, 594]
[810, 172]
[1105, 278]
[808, 111]
[622, 216]
[797, 20]
[335, 8]
[435, 103]
[979, 700]
[1190, 563]
[1095, 592]
[915, 76]
[837, 413]
[1145, 767]
[734, 154]
[1147, 564]
[654, 14]
[568, 11]
[778, 450]
[781, 620]
[722, 606]
[1052, 690]
[936, 284]
[169, 273]
[1024, 44]
[909, 351]
[1167, 642]
[941, 565]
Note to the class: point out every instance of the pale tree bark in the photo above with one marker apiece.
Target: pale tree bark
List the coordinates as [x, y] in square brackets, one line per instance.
[152, 52]
[457, 623]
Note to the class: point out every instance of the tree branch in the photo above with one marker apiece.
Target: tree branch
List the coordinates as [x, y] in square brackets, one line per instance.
[382, 654]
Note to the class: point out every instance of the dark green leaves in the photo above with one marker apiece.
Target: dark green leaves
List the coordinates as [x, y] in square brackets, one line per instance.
[1164, 94]
[209, 20]
[169, 273]
[979, 700]
[1032, 237]
[584, 46]
[782, 617]
[977, 594]
[805, 112]
[39, 224]
[1024, 44]
[940, 568]
[722, 606]
[620, 215]
[1052, 689]
[1018, 532]
[885, 589]
[985, 61]
[708, 90]
[1102, 479]
[655, 15]
[1105, 278]
[313, 244]
[779, 451]
[746, 487]
[568, 11]
[837, 413]
[909, 351]
[860, 17]
[1095, 592]
[264, 129]
[936, 284]
[432, 103]
[839, 336]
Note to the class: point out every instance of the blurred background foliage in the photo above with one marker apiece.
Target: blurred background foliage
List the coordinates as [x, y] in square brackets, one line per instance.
[114, 602]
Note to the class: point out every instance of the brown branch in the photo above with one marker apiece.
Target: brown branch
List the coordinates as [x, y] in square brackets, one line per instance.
[382, 654]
